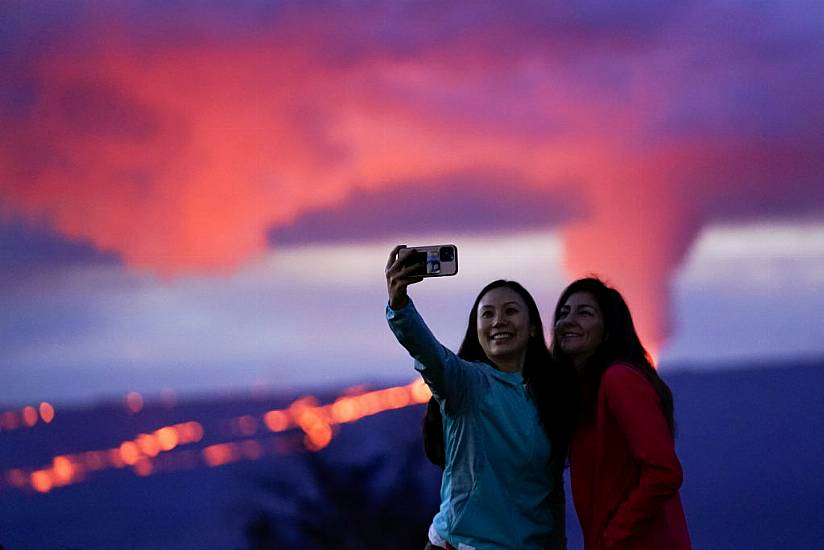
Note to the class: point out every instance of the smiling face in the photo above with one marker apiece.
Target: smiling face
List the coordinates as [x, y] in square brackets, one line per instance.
[579, 327]
[504, 328]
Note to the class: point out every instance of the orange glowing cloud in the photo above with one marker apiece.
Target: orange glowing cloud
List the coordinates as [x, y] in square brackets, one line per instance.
[183, 159]
[184, 152]
[181, 156]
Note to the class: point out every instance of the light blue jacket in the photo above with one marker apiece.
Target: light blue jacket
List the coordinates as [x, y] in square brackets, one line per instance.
[495, 492]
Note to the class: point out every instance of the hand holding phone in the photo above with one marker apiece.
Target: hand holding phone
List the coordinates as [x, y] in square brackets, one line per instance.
[407, 266]
[433, 260]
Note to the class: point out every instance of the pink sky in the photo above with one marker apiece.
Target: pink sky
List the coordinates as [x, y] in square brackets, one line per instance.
[186, 141]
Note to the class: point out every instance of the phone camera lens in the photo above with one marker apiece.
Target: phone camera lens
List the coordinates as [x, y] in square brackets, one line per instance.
[446, 254]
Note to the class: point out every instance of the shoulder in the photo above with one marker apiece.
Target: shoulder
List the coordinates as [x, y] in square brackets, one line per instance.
[483, 373]
[622, 376]
[620, 371]
[625, 388]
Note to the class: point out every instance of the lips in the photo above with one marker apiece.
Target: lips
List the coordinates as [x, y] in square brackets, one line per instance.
[499, 336]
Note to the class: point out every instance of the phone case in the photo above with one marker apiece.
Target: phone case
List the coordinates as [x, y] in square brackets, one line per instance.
[435, 260]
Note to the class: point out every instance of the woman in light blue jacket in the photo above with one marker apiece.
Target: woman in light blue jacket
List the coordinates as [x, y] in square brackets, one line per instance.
[507, 417]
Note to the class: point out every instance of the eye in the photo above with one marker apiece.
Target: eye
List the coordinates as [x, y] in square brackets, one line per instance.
[486, 314]
[512, 310]
[563, 313]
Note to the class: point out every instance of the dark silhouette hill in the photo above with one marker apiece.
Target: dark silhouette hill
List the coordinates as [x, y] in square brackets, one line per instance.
[749, 439]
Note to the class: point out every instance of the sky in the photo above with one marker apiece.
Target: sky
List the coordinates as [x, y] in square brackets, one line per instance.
[201, 196]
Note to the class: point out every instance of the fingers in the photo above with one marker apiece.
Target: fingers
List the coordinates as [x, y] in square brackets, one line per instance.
[394, 255]
[408, 272]
[400, 271]
[397, 269]
[399, 276]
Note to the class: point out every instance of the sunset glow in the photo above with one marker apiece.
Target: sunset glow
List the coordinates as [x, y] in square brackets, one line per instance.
[209, 146]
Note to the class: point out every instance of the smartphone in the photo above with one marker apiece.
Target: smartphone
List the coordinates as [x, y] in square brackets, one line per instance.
[439, 260]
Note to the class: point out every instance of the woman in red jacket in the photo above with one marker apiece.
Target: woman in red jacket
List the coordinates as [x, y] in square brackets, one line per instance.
[625, 474]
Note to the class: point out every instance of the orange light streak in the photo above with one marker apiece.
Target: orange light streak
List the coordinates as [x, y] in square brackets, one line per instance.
[419, 391]
[276, 421]
[62, 470]
[318, 436]
[115, 458]
[129, 452]
[167, 438]
[148, 445]
[397, 398]
[41, 481]
[345, 409]
[189, 432]
[220, 454]
[316, 421]
[29, 415]
[46, 412]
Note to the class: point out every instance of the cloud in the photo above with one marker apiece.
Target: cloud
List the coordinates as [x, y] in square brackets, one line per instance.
[472, 204]
[23, 244]
[191, 137]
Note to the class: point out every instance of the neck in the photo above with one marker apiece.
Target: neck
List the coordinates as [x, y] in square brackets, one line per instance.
[511, 364]
[579, 362]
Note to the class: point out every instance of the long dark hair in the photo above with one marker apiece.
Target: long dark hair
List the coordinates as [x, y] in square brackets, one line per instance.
[552, 384]
[621, 344]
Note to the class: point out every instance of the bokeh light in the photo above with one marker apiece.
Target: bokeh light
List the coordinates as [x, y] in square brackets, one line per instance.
[153, 452]
[133, 402]
[46, 412]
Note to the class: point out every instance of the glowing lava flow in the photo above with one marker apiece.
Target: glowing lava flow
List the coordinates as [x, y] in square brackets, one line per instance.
[73, 468]
[317, 422]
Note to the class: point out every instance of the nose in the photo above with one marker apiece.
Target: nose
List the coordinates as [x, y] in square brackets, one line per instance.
[498, 320]
[564, 323]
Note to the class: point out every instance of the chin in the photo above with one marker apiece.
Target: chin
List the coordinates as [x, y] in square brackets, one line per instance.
[498, 354]
[571, 353]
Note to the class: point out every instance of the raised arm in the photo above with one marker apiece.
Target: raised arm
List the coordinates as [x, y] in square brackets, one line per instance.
[398, 277]
[452, 380]
[636, 407]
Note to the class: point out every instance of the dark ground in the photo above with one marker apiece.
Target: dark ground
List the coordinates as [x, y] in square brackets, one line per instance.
[749, 439]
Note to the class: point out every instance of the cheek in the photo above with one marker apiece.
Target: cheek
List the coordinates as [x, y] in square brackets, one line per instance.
[596, 334]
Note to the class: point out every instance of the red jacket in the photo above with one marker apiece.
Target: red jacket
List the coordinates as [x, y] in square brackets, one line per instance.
[625, 475]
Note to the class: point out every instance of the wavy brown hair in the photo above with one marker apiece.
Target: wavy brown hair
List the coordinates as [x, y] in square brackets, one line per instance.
[621, 344]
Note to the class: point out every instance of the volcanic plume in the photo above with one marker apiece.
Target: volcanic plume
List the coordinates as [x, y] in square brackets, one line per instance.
[180, 137]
